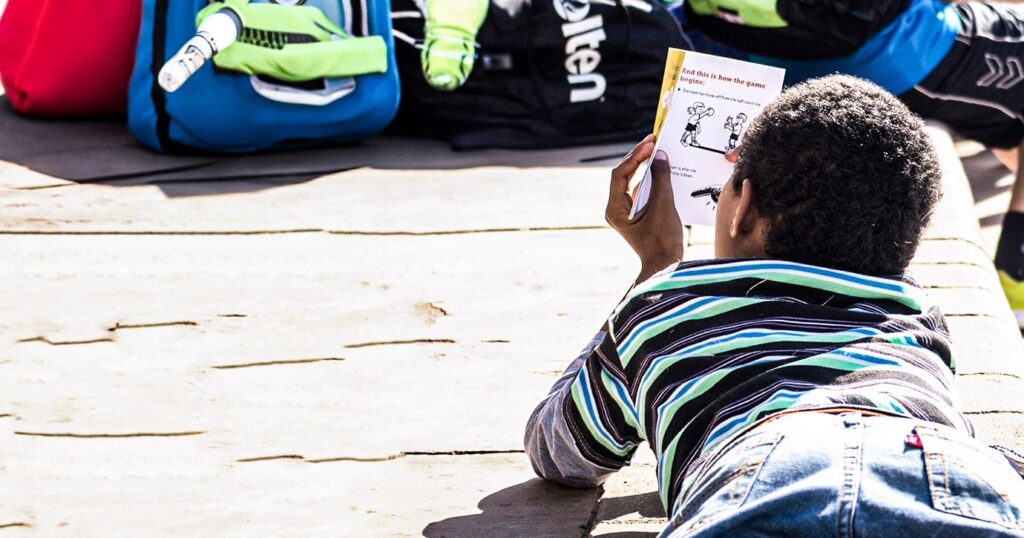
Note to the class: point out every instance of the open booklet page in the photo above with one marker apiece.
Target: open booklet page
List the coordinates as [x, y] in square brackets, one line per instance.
[701, 116]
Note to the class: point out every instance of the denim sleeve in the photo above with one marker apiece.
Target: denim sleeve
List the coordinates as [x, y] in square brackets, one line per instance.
[585, 429]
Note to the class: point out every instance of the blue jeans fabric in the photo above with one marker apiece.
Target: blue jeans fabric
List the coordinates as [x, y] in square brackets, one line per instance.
[818, 474]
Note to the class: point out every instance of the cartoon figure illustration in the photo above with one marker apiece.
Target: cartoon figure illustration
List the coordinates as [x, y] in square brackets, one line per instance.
[697, 112]
[736, 126]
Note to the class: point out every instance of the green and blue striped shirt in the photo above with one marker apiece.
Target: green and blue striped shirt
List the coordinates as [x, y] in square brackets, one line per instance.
[701, 353]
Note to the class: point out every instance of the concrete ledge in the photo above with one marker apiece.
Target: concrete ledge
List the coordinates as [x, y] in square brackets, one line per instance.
[988, 345]
[327, 357]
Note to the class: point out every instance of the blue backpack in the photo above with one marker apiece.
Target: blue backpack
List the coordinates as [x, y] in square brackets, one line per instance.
[234, 112]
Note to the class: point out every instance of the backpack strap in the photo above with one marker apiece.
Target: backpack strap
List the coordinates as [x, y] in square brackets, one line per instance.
[355, 17]
[163, 120]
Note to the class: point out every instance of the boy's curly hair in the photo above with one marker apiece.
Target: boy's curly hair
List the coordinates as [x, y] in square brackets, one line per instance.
[843, 174]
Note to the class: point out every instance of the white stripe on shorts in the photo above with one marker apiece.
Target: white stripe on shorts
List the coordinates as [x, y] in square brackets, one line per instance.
[970, 101]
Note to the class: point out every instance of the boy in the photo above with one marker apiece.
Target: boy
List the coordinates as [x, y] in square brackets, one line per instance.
[956, 62]
[798, 383]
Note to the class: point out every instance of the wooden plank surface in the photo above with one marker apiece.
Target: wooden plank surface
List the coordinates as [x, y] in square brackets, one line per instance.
[365, 201]
[331, 358]
[177, 487]
[381, 313]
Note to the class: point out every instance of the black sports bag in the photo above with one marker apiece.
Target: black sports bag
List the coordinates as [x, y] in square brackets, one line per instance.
[554, 73]
[794, 29]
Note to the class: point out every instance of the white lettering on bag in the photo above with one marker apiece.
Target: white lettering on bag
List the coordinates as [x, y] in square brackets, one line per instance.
[596, 91]
[572, 10]
[582, 49]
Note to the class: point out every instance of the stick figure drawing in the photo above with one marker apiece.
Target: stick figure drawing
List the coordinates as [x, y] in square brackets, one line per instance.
[697, 112]
[735, 125]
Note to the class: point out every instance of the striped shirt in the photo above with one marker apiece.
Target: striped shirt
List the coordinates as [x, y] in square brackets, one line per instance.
[701, 353]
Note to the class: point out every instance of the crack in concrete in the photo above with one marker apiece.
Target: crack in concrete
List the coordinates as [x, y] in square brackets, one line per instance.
[995, 412]
[46, 340]
[967, 240]
[15, 524]
[420, 341]
[269, 458]
[960, 287]
[358, 459]
[232, 315]
[168, 232]
[107, 339]
[41, 187]
[588, 526]
[110, 435]
[977, 315]
[374, 459]
[469, 231]
[402, 342]
[118, 326]
[464, 452]
[366, 233]
[1001, 374]
[964, 263]
[417, 453]
[276, 363]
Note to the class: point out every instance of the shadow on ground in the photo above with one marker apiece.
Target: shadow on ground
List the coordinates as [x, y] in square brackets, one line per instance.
[645, 505]
[103, 151]
[533, 508]
[986, 174]
[539, 508]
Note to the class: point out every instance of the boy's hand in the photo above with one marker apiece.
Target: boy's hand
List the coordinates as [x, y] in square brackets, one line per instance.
[656, 234]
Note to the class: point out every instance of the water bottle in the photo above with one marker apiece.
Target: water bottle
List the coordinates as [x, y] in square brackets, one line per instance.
[216, 33]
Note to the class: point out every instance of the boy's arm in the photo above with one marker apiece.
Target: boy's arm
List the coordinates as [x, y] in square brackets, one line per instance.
[583, 432]
[549, 439]
[587, 428]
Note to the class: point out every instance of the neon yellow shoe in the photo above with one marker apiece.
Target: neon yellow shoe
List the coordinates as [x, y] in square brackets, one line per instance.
[1014, 290]
[449, 48]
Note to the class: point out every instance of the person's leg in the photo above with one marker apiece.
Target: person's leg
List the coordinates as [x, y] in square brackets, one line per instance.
[817, 474]
[1010, 250]
[767, 482]
[978, 90]
[1017, 194]
[928, 480]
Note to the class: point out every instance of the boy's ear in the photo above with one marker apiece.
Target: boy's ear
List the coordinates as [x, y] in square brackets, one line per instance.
[747, 224]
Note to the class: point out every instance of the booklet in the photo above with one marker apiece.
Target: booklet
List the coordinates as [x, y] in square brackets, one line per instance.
[706, 104]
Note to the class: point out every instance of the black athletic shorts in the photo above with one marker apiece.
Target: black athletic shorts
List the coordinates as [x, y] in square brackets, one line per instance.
[978, 88]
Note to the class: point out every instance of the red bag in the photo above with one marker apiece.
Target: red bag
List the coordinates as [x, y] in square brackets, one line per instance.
[68, 57]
